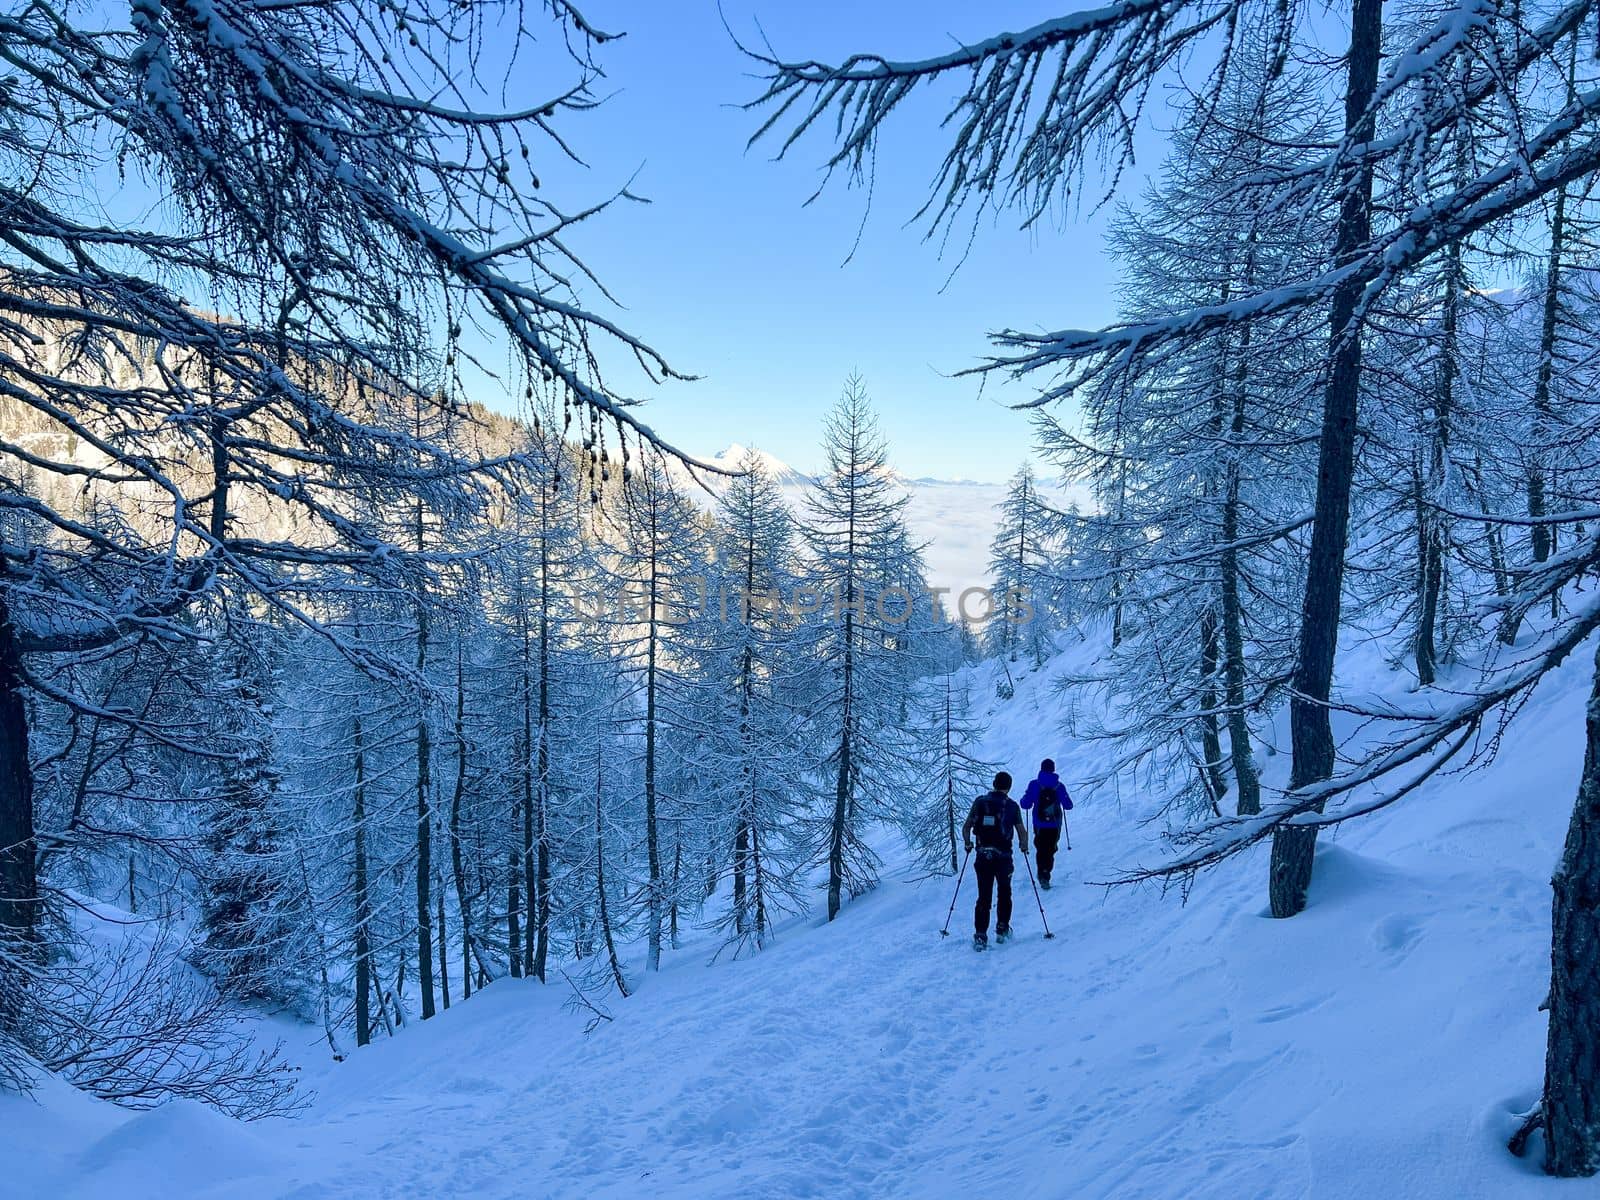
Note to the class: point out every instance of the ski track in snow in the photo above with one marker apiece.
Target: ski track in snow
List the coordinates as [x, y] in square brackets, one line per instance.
[1378, 1045]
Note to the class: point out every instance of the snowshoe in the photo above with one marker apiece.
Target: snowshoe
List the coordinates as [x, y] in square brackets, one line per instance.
[1003, 935]
[980, 941]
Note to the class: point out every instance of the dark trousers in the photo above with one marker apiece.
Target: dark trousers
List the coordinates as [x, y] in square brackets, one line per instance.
[993, 869]
[1045, 842]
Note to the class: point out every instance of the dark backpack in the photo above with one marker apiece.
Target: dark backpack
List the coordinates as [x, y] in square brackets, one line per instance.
[1047, 808]
[992, 826]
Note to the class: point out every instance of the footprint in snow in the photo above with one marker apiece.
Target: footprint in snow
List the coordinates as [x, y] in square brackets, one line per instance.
[1282, 1012]
[1396, 935]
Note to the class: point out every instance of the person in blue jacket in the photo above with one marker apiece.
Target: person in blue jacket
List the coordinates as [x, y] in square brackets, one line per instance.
[1048, 800]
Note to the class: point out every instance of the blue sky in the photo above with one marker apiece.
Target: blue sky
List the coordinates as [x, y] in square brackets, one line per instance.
[735, 279]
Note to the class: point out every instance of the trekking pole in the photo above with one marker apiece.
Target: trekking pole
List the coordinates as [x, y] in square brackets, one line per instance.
[1065, 832]
[945, 932]
[1047, 934]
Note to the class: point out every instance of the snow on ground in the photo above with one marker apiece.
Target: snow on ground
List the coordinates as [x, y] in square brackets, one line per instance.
[1378, 1045]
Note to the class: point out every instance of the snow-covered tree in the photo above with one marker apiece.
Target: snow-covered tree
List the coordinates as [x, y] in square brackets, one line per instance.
[249, 927]
[859, 600]
[1197, 460]
[660, 577]
[953, 772]
[1019, 556]
[757, 774]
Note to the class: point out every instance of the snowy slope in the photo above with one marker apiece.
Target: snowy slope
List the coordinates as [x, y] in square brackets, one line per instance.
[1378, 1045]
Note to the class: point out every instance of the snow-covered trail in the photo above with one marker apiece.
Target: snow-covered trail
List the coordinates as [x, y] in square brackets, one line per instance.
[1377, 1045]
[1138, 1054]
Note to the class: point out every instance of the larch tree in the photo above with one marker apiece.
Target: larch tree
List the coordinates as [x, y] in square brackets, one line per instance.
[1018, 557]
[248, 934]
[660, 577]
[758, 775]
[856, 602]
[949, 743]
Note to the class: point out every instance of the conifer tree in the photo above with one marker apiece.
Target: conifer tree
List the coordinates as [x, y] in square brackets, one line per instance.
[854, 530]
[248, 921]
[756, 770]
[1018, 560]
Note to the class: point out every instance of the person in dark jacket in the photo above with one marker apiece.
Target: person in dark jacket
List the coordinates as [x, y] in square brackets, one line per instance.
[992, 822]
[1048, 801]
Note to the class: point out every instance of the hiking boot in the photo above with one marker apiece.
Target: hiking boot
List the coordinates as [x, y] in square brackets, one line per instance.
[1003, 935]
[1044, 882]
[980, 941]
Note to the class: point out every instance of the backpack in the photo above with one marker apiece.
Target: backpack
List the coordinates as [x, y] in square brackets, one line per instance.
[1047, 808]
[992, 828]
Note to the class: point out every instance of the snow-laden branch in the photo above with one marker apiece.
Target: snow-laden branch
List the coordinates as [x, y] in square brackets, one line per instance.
[1434, 741]
[1556, 156]
[1035, 105]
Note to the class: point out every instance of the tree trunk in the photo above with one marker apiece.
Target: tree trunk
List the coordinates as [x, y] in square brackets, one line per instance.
[1549, 322]
[444, 947]
[841, 789]
[1427, 584]
[1311, 730]
[842, 798]
[651, 834]
[745, 828]
[541, 912]
[1215, 780]
[1544, 537]
[397, 997]
[1119, 512]
[363, 901]
[1233, 665]
[600, 876]
[677, 872]
[19, 884]
[746, 819]
[424, 835]
[757, 880]
[530, 868]
[514, 911]
[1243, 758]
[458, 867]
[1572, 1055]
[1492, 532]
[741, 852]
[1022, 566]
[1431, 519]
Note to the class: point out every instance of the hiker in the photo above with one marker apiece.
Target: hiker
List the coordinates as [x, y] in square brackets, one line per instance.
[1048, 800]
[993, 819]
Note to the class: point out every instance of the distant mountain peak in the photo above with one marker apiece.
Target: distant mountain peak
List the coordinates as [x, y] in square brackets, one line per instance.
[734, 456]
